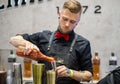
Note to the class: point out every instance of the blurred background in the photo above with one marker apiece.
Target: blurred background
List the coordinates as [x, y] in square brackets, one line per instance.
[100, 24]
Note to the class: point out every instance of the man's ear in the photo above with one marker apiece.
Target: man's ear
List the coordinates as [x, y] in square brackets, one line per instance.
[59, 15]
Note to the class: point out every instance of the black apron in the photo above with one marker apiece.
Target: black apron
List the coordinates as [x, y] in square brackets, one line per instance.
[63, 56]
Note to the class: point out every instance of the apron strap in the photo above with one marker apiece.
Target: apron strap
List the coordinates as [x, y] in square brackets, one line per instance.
[72, 44]
[50, 41]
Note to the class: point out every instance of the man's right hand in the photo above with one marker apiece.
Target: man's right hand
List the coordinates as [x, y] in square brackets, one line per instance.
[19, 41]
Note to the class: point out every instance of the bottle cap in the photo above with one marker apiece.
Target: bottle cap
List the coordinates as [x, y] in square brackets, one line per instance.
[96, 53]
[112, 54]
[11, 51]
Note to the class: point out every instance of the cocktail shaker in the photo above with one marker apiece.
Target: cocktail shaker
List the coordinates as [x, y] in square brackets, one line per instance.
[53, 65]
[17, 73]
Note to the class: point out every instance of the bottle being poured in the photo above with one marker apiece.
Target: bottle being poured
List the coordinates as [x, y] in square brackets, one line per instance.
[34, 55]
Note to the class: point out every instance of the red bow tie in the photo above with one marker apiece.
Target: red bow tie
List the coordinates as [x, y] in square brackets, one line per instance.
[60, 35]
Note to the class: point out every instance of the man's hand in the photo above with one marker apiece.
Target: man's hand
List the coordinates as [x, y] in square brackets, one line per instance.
[20, 42]
[29, 47]
[62, 71]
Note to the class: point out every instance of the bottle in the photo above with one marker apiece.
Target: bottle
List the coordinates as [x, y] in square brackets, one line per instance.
[96, 67]
[112, 61]
[11, 57]
[17, 73]
[34, 55]
[27, 68]
[9, 77]
[11, 60]
[1, 64]
[3, 73]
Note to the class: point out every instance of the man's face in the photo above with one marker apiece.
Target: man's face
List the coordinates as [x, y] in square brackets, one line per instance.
[68, 20]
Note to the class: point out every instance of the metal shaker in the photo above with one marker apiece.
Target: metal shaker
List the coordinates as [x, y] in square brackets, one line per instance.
[53, 65]
[17, 73]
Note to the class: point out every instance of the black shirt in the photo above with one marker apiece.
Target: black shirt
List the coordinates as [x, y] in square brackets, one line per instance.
[79, 59]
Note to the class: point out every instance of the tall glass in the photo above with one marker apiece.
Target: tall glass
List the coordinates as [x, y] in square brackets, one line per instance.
[37, 73]
[51, 77]
[3, 76]
[27, 68]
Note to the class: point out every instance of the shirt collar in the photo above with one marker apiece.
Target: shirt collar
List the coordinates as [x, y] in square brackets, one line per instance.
[71, 34]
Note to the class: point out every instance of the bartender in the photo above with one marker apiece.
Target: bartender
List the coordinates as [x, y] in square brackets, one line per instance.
[72, 51]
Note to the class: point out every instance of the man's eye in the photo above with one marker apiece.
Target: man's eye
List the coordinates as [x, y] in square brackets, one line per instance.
[72, 21]
[65, 19]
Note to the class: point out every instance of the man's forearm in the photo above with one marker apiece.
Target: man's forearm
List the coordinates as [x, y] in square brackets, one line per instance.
[17, 41]
[82, 75]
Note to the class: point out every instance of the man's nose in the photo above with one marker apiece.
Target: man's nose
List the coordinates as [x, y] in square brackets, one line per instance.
[67, 23]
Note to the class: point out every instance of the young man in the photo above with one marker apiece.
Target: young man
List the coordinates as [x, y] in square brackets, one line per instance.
[63, 44]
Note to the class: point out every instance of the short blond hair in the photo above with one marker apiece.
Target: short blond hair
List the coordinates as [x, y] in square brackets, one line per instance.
[73, 5]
